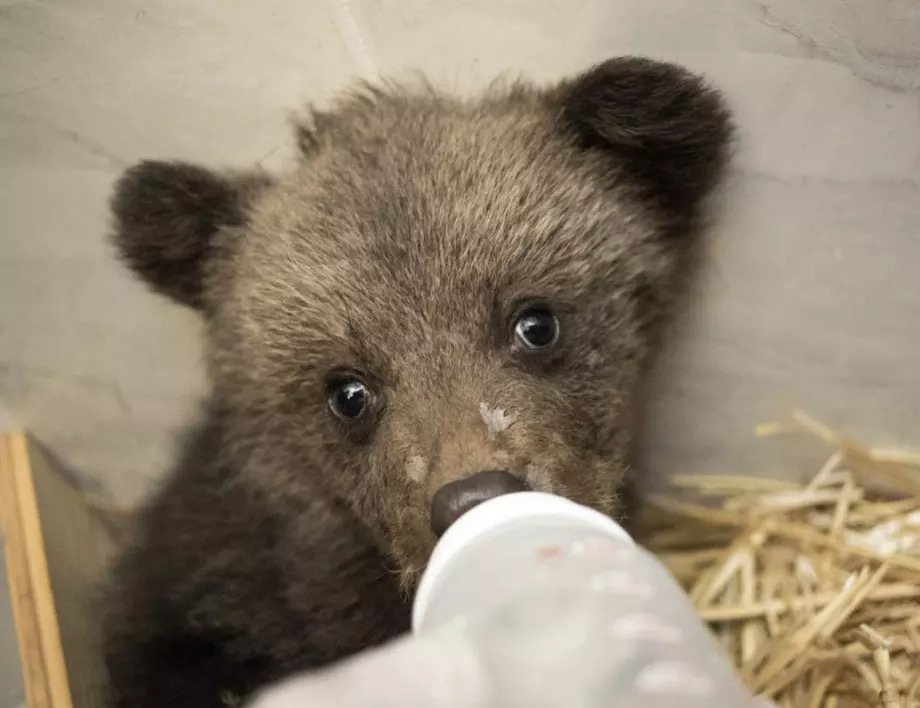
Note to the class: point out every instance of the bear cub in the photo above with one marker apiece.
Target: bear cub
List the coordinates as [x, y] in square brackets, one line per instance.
[444, 300]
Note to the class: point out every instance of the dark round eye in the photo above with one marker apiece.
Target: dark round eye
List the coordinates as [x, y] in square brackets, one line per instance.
[349, 398]
[536, 328]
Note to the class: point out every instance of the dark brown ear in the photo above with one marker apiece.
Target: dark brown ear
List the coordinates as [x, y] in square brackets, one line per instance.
[166, 215]
[663, 124]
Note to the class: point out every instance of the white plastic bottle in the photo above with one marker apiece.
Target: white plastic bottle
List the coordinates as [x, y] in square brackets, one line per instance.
[565, 611]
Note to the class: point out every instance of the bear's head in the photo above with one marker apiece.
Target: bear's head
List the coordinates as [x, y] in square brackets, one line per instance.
[447, 299]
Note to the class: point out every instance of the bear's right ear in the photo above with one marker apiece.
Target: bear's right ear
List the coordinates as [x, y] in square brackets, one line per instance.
[166, 215]
[666, 126]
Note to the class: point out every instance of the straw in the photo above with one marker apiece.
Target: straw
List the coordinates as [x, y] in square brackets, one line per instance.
[812, 589]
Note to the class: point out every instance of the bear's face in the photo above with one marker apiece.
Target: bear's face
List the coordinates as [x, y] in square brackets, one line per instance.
[441, 288]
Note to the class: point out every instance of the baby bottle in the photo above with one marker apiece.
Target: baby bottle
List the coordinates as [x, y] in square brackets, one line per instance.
[566, 611]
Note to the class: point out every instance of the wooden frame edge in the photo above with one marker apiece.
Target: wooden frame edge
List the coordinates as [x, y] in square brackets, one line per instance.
[34, 614]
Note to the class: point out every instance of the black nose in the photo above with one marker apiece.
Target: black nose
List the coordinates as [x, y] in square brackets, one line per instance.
[455, 499]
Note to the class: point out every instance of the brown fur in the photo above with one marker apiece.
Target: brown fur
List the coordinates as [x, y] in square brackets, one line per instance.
[414, 227]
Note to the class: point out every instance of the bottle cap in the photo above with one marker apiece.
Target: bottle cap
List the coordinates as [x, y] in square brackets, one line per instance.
[505, 510]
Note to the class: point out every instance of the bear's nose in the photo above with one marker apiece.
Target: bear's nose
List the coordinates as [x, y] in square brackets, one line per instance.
[453, 500]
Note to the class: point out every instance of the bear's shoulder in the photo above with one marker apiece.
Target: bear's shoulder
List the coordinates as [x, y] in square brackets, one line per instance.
[233, 589]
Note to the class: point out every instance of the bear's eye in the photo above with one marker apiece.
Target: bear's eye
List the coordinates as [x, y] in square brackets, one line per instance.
[349, 398]
[536, 328]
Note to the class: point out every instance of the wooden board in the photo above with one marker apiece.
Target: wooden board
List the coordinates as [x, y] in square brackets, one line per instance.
[56, 550]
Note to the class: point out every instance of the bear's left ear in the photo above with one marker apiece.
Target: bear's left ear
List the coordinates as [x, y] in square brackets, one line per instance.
[166, 216]
[663, 124]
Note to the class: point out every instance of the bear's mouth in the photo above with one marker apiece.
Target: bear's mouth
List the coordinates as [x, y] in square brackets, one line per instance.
[539, 478]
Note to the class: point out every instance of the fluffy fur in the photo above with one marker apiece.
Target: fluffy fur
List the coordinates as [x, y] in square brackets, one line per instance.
[414, 228]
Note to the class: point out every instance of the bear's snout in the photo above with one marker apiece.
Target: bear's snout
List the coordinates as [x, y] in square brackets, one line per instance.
[453, 500]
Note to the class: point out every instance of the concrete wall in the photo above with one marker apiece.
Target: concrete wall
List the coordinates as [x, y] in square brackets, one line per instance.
[810, 294]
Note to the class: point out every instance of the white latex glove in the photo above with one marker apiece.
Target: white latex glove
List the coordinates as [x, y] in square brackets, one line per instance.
[412, 672]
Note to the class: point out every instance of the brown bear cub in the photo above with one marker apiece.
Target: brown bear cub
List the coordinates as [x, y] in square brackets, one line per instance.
[447, 299]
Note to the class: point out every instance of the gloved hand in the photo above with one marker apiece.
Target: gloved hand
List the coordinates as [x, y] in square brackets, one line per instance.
[413, 672]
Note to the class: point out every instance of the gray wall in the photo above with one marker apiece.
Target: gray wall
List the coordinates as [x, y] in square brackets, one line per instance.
[810, 294]
[10, 683]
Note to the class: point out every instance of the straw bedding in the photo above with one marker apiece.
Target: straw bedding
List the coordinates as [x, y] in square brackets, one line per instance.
[812, 589]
